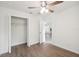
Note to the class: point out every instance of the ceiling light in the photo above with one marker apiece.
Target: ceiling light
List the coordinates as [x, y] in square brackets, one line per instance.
[43, 7]
[44, 10]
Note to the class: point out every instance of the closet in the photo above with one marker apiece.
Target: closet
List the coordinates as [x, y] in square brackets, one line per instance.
[18, 30]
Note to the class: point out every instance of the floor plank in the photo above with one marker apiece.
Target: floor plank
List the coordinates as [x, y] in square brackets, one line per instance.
[39, 50]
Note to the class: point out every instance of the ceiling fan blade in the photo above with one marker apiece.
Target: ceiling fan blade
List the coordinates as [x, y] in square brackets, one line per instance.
[51, 5]
[51, 10]
[56, 3]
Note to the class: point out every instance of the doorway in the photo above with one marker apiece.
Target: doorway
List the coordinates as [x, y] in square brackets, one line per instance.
[18, 31]
[48, 33]
[45, 32]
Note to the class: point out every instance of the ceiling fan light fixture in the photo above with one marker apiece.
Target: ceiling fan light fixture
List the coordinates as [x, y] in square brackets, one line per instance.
[44, 10]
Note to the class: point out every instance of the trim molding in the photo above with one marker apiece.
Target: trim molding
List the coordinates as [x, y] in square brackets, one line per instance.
[65, 49]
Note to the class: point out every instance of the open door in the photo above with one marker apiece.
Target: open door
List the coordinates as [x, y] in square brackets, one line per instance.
[42, 31]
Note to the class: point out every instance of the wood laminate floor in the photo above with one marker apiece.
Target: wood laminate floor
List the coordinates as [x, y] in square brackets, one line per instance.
[39, 50]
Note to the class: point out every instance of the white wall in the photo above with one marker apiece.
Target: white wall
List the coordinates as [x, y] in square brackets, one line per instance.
[66, 29]
[32, 27]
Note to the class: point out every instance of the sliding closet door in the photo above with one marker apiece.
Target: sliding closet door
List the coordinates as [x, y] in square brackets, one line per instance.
[18, 31]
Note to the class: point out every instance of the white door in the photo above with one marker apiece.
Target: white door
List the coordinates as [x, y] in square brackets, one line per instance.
[42, 31]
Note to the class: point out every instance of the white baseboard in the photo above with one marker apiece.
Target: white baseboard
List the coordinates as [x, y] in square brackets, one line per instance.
[3, 51]
[18, 43]
[66, 48]
[33, 43]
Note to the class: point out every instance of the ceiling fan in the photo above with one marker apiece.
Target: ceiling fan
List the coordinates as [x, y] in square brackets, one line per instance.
[47, 7]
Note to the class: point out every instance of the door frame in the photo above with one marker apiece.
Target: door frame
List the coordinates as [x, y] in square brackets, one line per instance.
[9, 32]
[42, 31]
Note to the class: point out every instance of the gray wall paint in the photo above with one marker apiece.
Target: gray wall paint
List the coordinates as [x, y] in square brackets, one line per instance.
[34, 29]
[66, 29]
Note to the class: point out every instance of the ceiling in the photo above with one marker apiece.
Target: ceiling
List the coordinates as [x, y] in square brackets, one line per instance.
[25, 5]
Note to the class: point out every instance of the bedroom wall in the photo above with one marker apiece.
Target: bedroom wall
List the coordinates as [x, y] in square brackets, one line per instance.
[66, 29]
[34, 29]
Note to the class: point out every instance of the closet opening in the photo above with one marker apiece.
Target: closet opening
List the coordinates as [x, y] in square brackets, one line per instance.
[18, 31]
